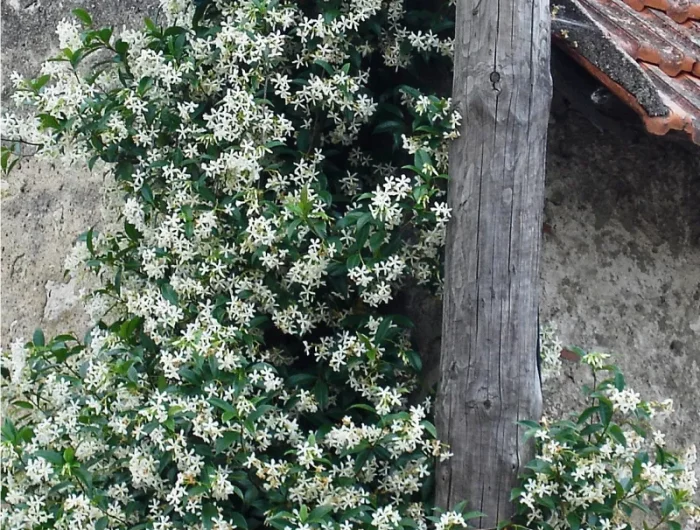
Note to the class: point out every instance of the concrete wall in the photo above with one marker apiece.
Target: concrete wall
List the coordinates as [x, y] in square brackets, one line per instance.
[620, 270]
[44, 209]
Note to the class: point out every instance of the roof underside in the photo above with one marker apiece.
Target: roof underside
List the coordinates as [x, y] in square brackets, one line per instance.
[647, 52]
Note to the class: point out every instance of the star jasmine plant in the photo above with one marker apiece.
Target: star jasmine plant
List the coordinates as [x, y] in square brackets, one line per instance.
[278, 174]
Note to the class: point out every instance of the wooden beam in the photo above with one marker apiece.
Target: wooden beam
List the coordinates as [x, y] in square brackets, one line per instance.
[488, 368]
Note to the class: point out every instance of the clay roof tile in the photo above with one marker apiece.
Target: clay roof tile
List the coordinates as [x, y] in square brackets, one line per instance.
[678, 10]
[645, 51]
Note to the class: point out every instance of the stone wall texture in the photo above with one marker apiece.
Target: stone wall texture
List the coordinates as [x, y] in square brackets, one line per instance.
[45, 208]
[620, 266]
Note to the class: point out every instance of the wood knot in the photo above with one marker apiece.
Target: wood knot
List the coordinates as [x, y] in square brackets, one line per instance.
[495, 78]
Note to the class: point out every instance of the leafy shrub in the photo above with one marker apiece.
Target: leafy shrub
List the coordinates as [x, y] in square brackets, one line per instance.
[279, 173]
[608, 467]
[240, 372]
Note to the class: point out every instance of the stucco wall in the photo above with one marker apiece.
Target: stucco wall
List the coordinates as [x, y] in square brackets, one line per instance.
[43, 208]
[620, 270]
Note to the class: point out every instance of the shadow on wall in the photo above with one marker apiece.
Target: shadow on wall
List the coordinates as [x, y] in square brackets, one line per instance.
[621, 264]
[648, 183]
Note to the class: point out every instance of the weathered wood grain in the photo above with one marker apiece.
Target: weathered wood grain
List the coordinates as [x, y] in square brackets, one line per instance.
[489, 377]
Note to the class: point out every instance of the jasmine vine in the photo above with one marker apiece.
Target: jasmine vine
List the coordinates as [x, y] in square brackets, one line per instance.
[278, 175]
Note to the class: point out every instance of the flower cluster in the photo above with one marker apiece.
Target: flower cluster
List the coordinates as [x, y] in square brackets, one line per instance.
[550, 351]
[274, 186]
[279, 174]
[608, 467]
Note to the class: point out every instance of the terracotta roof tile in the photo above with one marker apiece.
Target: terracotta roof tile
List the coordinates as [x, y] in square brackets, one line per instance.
[678, 10]
[646, 51]
[684, 104]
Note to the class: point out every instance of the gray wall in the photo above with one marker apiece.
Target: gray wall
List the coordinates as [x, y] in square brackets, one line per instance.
[43, 208]
[621, 268]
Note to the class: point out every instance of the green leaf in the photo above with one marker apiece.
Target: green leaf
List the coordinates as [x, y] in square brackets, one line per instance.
[383, 330]
[60, 487]
[617, 434]
[239, 521]
[301, 379]
[131, 232]
[548, 502]
[321, 393]
[83, 16]
[147, 194]
[144, 85]
[389, 126]
[391, 109]
[221, 404]
[592, 429]
[121, 47]
[620, 489]
[68, 454]
[102, 523]
[619, 381]
[132, 374]
[169, 293]
[84, 476]
[422, 159]
[639, 505]
[25, 434]
[667, 506]
[227, 440]
[48, 122]
[362, 406]
[538, 466]
[459, 508]
[303, 140]
[38, 339]
[515, 493]
[39, 83]
[104, 35]
[66, 337]
[376, 241]
[51, 456]
[605, 411]
[150, 25]
[529, 424]
[636, 469]
[353, 261]
[209, 511]
[318, 513]
[259, 412]
[574, 521]
[89, 242]
[363, 220]
[9, 433]
[590, 411]
[410, 91]
[415, 360]
[428, 426]
[4, 158]
[326, 66]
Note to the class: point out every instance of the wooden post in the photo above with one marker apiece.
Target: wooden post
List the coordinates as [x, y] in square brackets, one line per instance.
[489, 377]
